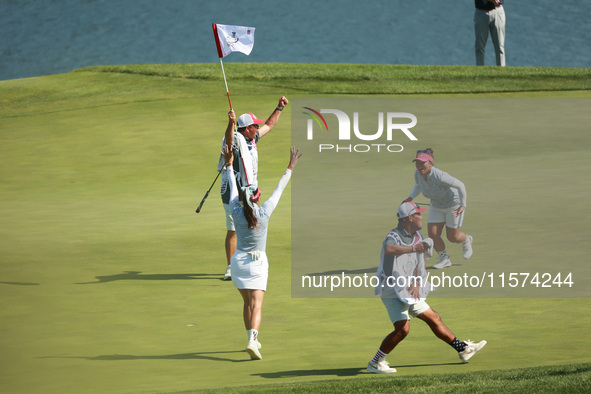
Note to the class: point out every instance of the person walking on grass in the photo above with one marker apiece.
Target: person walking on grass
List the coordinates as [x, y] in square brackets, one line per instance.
[244, 142]
[404, 287]
[448, 203]
[249, 264]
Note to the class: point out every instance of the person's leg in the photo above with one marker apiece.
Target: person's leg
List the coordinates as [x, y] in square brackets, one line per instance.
[435, 230]
[497, 35]
[465, 349]
[456, 235]
[436, 325]
[398, 313]
[246, 311]
[401, 330]
[256, 308]
[480, 34]
[255, 298]
[230, 245]
[230, 242]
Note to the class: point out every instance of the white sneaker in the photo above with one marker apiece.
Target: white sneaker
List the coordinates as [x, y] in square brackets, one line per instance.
[442, 263]
[380, 367]
[467, 247]
[253, 349]
[259, 344]
[470, 350]
[228, 274]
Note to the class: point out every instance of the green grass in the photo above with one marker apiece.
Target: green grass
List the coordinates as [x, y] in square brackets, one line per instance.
[376, 79]
[109, 282]
[575, 378]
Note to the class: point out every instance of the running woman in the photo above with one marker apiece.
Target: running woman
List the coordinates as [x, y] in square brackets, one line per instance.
[249, 264]
[448, 203]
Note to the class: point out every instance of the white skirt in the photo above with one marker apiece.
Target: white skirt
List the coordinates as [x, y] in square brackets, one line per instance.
[250, 270]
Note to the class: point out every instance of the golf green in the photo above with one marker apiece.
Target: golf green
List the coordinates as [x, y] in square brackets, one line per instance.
[110, 282]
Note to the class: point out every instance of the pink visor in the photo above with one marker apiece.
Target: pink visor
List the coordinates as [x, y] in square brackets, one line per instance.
[256, 195]
[421, 156]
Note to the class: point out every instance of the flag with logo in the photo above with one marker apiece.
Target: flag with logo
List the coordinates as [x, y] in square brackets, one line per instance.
[233, 39]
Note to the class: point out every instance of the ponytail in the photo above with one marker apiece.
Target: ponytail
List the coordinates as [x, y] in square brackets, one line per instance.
[248, 212]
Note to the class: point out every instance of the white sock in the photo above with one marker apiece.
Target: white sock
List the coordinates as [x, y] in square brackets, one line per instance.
[253, 335]
[443, 254]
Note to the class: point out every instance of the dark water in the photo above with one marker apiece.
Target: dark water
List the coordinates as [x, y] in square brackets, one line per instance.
[41, 37]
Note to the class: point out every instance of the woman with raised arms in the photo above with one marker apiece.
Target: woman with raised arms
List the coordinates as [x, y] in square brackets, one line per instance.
[249, 264]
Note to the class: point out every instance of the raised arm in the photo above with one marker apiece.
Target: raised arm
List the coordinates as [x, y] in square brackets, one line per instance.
[229, 158]
[293, 160]
[230, 129]
[274, 117]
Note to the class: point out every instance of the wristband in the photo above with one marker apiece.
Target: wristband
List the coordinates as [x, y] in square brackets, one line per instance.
[280, 108]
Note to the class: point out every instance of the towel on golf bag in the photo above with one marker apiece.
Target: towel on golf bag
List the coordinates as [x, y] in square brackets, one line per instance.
[246, 173]
[407, 269]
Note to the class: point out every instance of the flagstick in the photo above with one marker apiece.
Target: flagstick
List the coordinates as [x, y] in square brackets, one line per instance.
[226, 83]
[229, 101]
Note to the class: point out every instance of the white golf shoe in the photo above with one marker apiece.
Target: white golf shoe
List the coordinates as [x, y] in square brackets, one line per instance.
[470, 350]
[228, 274]
[253, 350]
[467, 247]
[442, 263]
[380, 367]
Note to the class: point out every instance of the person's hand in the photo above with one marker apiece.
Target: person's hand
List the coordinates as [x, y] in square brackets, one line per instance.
[414, 291]
[228, 156]
[459, 211]
[232, 116]
[420, 247]
[294, 157]
[283, 101]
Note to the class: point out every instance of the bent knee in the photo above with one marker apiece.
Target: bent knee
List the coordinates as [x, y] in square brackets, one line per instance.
[402, 329]
[455, 237]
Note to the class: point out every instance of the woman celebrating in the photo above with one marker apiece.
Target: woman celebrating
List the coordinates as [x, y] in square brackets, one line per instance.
[249, 264]
[448, 202]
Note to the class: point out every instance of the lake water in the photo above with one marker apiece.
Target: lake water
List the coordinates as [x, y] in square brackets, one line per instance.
[56, 36]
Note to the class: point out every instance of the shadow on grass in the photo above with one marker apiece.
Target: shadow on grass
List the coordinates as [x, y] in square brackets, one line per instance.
[137, 275]
[182, 356]
[336, 371]
[368, 271]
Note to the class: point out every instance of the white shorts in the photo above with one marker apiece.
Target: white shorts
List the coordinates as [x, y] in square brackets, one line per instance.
[229, 218]
[250, 270]
[445, 215]
[398, 310]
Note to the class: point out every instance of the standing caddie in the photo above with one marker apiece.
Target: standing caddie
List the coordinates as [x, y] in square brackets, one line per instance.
[243, 142]
[403, 288]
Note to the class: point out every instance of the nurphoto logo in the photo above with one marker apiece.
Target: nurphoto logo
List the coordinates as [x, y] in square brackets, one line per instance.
[396, 125]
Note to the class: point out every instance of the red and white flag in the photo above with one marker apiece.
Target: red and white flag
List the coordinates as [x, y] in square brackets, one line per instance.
[233, 39]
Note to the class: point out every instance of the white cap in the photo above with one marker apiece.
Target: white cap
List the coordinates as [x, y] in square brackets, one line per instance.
[248, 119]
[409, 208]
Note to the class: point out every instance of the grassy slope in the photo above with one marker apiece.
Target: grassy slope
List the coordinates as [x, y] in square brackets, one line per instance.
[110, 282]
